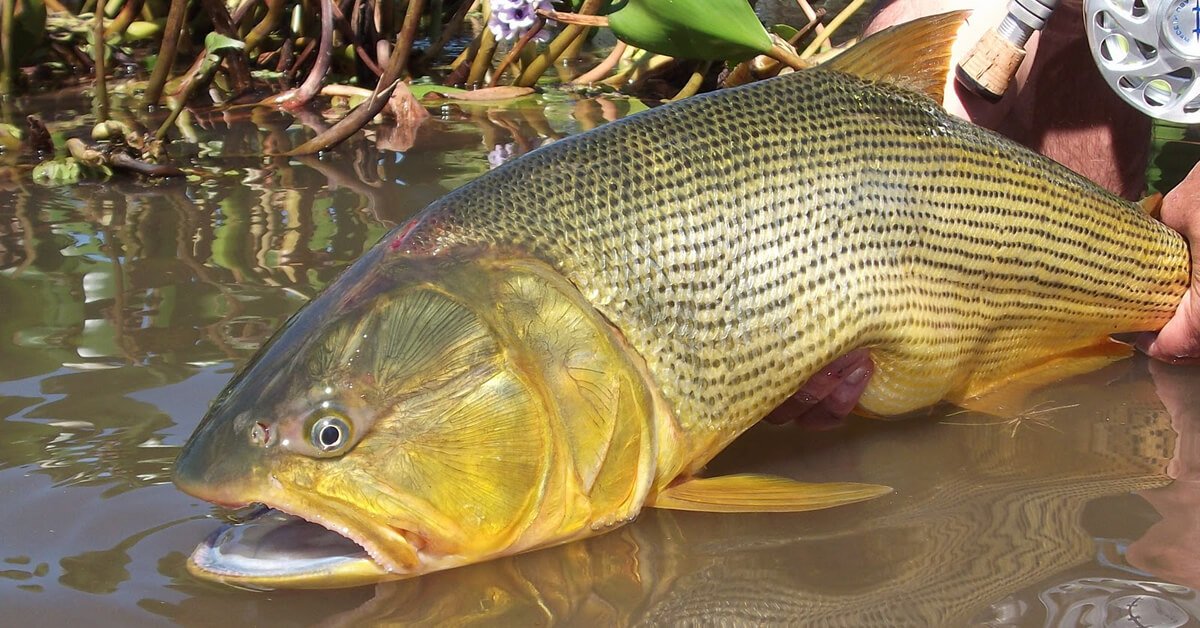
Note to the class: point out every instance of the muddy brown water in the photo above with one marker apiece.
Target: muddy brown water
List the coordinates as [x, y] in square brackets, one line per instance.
[124, 308]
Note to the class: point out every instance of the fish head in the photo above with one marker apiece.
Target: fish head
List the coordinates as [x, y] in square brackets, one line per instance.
[417, 416]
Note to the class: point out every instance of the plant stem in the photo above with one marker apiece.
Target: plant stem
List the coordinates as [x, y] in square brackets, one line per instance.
[344, 27]
[203, 71]
[298, 97]
[483, 58]
[787, 57]
[118, 24]
[99, 47]
[556, 48]
[644, 62]
[7, 23]
[408, 32]
[383, 47]
[604, 67]
[516, 50]
[448, 32]
[814, 22]
[368, 109]
[167, 52]
[814, 16]
[355, 120]
[435, 20]
[239, 68]
[260, 31]
[823, 37]
[574, 18]
[242, 10]
[694, 82]
[301, 59]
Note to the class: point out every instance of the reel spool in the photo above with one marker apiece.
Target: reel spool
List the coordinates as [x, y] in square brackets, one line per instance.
[1148, 51]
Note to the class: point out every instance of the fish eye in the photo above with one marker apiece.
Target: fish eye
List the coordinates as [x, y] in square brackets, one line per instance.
[329, 432]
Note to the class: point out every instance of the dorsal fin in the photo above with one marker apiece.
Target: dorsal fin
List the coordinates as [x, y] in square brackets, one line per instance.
[914, 55]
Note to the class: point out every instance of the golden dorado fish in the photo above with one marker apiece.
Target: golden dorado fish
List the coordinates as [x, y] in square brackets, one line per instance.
[570, 338]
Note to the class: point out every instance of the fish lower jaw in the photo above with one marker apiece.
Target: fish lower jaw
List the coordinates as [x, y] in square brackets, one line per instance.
[403, 558]
[290, 546]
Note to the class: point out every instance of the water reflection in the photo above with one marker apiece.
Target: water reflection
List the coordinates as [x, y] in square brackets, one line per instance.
[988, 527]
[126, 307]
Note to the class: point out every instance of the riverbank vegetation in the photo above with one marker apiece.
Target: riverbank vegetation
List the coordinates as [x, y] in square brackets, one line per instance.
[150, 62]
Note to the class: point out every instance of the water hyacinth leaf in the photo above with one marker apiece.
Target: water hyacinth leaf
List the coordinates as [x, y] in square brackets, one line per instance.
[487, 94]
[10, 138]
[636, 105]
[214, 42]
[693, 29]
[57, 172]
[66, 171]
[608, 7]
[784, 31]
[141, 31]
[421, 89]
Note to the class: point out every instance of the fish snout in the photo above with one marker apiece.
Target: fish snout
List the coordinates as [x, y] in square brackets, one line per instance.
[219, 465]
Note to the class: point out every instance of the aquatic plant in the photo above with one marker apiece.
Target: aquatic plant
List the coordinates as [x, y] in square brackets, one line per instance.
[194, 54]
[511, 19]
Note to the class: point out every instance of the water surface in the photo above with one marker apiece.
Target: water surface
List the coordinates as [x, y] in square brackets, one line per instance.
[125, 307]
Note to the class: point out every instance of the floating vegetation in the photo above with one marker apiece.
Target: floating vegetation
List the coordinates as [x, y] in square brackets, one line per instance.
[388, 58]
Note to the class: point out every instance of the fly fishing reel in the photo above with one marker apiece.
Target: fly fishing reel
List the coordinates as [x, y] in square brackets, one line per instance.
[1148, 51]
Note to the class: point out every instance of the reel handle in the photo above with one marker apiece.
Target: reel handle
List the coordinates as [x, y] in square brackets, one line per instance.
[990, 66]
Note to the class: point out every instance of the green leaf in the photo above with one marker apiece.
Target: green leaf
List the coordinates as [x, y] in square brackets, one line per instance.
[10, 138]
[140, 31]
[692, 29]
[636, 105]
[215, 42]
[266, 75]
[66, 171]
[605, 9]
[419, 90]
[784, 31]
[58, 172]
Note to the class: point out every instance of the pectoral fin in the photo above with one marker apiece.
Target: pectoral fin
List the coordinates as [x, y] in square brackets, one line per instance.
[762, 493]
[1152, 205]
[1007, 397]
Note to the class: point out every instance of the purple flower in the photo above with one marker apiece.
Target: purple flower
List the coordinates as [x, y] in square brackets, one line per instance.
[500, 154]
[510, 19]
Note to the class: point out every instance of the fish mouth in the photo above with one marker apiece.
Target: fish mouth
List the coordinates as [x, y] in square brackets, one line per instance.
[271, 548]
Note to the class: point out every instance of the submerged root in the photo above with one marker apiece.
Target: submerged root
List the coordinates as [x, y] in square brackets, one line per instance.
[1035, 416]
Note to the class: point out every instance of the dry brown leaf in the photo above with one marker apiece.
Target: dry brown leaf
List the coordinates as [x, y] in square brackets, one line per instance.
[502, 92]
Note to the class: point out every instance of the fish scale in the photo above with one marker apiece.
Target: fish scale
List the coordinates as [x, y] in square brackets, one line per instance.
[742, 240]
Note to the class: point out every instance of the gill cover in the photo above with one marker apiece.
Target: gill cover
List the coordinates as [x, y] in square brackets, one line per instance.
[436, 412]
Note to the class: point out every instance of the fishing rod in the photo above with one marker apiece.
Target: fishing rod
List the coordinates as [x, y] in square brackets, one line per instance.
[1148, 51]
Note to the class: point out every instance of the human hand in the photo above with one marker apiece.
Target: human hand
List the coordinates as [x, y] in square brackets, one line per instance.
[828, 397]
[1179, 341]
